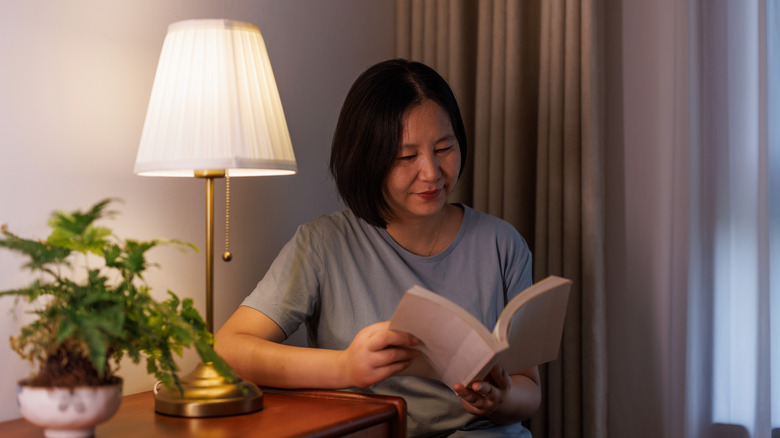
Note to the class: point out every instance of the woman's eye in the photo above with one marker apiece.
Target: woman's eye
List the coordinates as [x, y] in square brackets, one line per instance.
[406, 157]
[440, 150]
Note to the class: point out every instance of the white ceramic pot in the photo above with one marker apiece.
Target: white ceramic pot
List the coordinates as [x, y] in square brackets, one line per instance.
[68, 412]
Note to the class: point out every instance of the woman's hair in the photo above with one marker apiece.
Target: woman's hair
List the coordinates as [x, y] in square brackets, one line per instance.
[369, 131]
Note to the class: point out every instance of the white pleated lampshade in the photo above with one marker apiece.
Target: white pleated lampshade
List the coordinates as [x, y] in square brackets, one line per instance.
[214, 105]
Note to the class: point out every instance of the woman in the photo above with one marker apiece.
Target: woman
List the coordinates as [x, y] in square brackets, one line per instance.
[397, 153]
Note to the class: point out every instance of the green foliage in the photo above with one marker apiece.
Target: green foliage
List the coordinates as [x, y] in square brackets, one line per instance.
[110, 312]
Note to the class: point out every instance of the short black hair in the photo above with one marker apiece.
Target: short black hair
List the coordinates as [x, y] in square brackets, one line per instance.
[369, 131]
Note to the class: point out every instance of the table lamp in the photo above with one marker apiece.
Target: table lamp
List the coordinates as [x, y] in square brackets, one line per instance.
[214, 112]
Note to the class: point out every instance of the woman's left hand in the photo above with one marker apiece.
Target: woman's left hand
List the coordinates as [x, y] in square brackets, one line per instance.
[485, 397]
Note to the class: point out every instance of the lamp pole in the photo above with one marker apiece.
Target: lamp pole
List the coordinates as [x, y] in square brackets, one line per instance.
[209, 176]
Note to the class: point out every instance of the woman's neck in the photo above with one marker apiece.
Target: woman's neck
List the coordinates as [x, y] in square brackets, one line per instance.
[430, 235]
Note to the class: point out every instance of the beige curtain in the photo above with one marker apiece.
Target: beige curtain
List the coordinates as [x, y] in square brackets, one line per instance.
[526, 74]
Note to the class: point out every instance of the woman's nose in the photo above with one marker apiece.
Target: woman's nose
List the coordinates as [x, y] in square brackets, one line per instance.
[429, 167]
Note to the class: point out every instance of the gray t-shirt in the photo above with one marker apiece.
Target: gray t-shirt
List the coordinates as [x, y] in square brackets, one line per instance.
[339, 274]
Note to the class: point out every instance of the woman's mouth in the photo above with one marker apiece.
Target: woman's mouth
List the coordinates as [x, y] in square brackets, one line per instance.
[429, 195]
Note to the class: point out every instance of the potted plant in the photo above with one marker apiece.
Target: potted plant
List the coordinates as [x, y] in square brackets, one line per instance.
[92, 308]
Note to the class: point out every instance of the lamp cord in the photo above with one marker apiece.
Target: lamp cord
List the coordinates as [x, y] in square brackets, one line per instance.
[227, 256]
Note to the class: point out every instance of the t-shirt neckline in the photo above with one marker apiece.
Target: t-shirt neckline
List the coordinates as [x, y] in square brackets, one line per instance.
[451, 247]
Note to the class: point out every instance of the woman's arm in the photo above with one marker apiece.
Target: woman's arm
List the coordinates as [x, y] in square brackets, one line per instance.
[250, 342]
[502, 397]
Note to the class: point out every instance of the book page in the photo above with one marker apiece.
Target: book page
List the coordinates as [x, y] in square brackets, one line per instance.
[453, 342]
[532, 324]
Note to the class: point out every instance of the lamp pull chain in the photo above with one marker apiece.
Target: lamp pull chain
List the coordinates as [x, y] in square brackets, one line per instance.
[227, 256]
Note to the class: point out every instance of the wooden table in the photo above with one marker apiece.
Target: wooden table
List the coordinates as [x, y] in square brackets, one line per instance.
[309, 413]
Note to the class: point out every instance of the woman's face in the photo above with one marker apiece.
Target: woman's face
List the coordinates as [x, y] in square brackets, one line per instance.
[427, 165]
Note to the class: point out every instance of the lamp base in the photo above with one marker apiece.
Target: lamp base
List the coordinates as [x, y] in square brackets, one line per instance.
[207, 394]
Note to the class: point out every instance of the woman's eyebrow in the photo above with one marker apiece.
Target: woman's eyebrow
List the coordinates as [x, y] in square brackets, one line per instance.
[447, 137]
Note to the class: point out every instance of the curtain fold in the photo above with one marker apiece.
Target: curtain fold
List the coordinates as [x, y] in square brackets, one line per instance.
[569, 211]
[527, 76]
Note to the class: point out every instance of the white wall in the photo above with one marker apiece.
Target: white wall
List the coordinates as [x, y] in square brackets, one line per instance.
[75, 79]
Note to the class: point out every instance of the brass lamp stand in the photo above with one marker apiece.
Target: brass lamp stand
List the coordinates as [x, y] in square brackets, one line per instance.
[214, 106]
[205, 392]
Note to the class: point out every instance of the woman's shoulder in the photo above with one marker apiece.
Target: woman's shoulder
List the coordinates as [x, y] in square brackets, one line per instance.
[334, 221]
[488, 228]
[486, 222]
[338, 225]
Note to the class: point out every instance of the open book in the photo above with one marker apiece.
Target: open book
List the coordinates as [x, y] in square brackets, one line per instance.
[457, 348]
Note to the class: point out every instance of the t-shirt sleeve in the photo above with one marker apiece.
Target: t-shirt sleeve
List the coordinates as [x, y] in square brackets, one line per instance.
[288, 293]
[518, 265]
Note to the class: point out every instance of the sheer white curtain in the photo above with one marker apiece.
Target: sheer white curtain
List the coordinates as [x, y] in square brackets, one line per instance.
[733, 220]
[693, 172]
[773, 158]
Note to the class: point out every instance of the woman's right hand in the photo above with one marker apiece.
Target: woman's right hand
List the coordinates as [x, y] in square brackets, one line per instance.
[377, 353]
